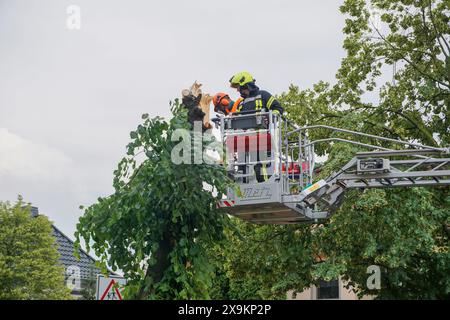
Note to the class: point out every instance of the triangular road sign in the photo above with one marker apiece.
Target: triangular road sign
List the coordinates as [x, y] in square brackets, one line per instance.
[105, 289]
[113, 294]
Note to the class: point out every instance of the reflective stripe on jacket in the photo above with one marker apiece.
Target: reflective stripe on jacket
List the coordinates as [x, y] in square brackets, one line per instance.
[259, 100]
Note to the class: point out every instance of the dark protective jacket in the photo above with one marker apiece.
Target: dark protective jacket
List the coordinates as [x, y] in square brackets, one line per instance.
[259, 100]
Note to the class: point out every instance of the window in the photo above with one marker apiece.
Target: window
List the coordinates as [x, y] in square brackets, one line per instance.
[328, 289]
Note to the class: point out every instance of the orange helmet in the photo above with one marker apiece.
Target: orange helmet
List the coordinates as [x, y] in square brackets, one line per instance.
[222, 102]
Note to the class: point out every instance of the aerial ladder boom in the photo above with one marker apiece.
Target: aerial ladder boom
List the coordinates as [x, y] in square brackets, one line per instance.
[272, 161]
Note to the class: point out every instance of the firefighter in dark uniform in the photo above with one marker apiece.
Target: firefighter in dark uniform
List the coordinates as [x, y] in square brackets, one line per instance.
[254, 99]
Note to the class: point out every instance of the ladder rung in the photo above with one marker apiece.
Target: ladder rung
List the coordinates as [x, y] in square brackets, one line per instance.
[243, 175]
[250, 133]
[252, 163]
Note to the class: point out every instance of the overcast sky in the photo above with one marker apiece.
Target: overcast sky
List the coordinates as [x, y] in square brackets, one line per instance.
[69, 98]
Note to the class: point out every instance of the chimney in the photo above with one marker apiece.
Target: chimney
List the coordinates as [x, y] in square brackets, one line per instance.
[34, 211]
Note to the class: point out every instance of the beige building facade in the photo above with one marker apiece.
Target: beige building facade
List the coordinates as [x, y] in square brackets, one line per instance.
[327, 290]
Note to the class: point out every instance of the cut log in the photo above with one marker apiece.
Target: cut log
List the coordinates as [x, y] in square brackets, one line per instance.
[204, 105]
[194, 98]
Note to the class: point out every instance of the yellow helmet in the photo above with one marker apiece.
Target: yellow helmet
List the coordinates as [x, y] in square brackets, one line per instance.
[240, 79]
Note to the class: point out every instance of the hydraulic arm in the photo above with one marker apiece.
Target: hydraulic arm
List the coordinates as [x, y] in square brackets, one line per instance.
[273, 163]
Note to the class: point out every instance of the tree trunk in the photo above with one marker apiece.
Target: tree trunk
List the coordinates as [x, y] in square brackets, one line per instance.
[156, 272]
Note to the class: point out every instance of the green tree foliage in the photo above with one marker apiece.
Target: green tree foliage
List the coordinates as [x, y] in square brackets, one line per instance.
[263, 262]
[161, 217]
[402, 232]
[29, 265]
[413, 37]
